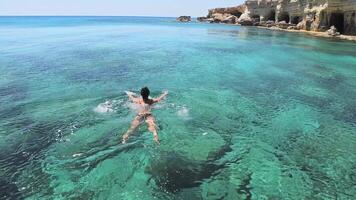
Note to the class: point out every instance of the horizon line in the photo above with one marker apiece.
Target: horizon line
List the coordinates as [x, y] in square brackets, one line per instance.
[90, 16]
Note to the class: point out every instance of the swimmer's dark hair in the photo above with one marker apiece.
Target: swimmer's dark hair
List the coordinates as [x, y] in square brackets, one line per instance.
[145, 92]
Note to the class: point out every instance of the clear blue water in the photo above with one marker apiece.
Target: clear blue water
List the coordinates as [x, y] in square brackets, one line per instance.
[251, 114]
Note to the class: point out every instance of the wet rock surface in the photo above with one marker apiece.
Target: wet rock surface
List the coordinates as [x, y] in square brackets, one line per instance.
[332, 31]
[184, 19]
[245, 20]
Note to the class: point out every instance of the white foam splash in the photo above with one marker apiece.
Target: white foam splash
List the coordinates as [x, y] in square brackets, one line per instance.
[183, 113]
[104, 107]
[107, 107]
[77, 155]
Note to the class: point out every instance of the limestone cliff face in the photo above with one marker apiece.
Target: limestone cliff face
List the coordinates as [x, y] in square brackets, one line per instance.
[314, 15]
[236, 11]
[223, 15]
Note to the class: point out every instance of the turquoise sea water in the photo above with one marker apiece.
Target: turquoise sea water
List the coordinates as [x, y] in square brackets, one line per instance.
[251, 114]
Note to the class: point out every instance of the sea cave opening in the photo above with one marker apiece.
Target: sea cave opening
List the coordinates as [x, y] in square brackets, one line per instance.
[256, 18]
[337, 20]
[295, 20]
[284, 16]
[271, 16]
[237, 14]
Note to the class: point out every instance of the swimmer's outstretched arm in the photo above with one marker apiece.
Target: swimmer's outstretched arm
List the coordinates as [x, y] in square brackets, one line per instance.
[131, 96]
[160, 98]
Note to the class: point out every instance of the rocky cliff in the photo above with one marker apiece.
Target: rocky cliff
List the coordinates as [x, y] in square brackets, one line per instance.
[225, 15]
[236, 11]
[313, 15]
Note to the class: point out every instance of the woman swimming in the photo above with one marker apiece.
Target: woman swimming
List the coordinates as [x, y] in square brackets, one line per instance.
[144, 105]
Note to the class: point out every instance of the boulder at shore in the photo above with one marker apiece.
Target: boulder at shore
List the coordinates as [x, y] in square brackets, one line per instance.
[332, 31]
[205, 19]
[184, 19]
[245, 20]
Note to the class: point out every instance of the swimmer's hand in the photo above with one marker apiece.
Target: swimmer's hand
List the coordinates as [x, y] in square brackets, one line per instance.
[160, 98]
[129, 93]
[132, 96]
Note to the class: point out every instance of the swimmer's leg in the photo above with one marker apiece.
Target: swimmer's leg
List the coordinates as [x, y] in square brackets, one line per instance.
[150, 120]
[134, 124]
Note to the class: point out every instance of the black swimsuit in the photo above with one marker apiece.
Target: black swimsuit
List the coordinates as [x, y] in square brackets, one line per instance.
[145, 115]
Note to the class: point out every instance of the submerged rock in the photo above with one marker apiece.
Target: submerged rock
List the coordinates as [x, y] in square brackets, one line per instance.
[184, 19]
[175, 170]
[9, 190]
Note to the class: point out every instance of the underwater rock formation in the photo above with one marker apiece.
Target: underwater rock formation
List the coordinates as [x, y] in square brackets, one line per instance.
[8, 190]
[174, 171]
[310, 15]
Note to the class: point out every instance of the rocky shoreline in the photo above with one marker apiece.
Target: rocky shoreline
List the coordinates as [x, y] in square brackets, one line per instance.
[314, 33]
[321, 18]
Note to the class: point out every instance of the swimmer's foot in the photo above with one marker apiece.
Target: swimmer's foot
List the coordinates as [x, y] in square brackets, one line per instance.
[124, 139]
[155, 138]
